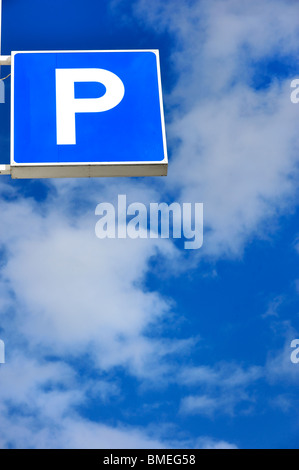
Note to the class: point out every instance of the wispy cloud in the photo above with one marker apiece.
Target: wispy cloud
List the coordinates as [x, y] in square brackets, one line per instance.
[272, 310]
[236, 143]
[220, 389]
[208, 443]
[74, 310]
[83, 294]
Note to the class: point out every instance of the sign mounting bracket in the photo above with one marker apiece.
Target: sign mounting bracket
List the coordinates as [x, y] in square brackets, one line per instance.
[4, 60]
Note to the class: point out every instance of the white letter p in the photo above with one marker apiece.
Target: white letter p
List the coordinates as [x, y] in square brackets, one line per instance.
[67, 105]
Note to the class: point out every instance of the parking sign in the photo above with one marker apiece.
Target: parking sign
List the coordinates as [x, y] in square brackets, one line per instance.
[87, 113]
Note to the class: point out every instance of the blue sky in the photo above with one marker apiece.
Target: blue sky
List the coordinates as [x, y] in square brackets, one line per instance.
[140, 343]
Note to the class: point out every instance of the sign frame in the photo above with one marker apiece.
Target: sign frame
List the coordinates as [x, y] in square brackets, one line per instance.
[88, 169]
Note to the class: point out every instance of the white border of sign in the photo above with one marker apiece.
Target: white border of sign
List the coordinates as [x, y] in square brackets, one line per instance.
[87, 170]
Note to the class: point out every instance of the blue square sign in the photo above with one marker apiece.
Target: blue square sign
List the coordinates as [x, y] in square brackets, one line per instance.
[87, 113]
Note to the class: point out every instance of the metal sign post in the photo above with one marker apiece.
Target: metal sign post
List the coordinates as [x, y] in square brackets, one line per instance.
[4, 60]
[0, 24]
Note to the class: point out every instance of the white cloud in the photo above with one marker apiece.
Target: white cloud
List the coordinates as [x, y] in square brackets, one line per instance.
[283, 402]
[74, 293]
[208, 443]
[273, 308]
[228, 388]
[70, 296]
[201, 404]
[235, 148]
[71, 433]
[222, 375]
[221, 389]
